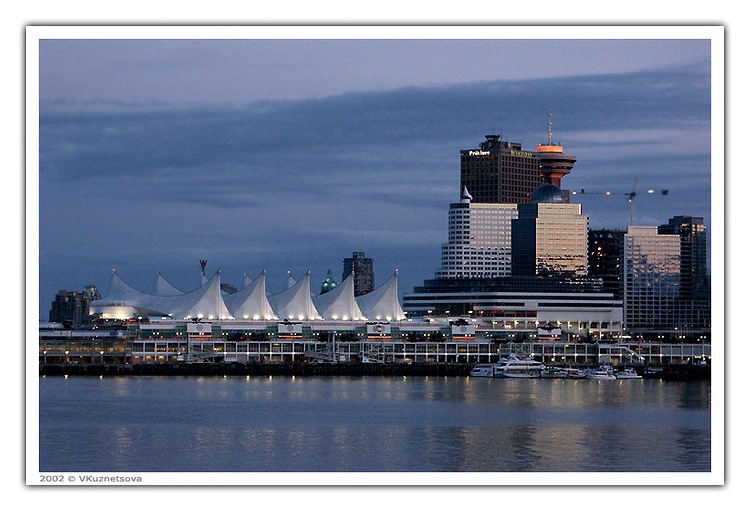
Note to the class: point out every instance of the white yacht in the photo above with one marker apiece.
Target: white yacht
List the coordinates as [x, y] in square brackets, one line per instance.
[627, 374]
[483, 370]
[521, 368]
[603, 372]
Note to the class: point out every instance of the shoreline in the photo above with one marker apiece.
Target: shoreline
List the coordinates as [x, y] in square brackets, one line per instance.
[672, 372]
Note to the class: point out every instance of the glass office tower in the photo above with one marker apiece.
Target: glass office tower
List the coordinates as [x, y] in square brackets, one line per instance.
[651, 269]
[550, 236]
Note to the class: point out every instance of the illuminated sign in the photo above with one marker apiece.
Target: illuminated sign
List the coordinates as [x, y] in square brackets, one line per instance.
[478, 153]
[526, 154]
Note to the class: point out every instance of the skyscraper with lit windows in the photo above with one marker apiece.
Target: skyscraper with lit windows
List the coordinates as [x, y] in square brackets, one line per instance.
[479, 240]
[605, 258]
[363, 270]
[651, 280]
[549, 237]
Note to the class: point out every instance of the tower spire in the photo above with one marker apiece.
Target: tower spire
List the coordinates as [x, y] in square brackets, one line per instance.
[549, 127]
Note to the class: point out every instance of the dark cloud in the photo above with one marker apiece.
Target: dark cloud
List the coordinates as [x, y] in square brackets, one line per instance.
[303, 183]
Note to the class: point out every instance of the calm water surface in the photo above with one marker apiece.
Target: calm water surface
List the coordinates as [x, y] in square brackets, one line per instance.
[372, 424]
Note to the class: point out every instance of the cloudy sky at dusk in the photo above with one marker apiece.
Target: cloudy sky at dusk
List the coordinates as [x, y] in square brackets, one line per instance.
[290, 154]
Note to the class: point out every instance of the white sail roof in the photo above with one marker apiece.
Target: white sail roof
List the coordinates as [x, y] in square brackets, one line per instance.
[246, 280]
[251, 301]
[205, 302]
[383, 302]
[296, 302]
[120, 301]
[164, 288]
[204, 279]
[339, 303]
[290, 282]
[209, 304]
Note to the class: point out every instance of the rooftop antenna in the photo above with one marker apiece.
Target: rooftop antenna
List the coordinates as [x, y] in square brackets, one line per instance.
[549, 127]
[203, 266]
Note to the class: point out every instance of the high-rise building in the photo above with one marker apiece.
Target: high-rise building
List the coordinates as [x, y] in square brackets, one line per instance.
[479, 240]
[549, 237]
[73, 306]
[651, 280]
[605, 259]
[500, 172]
[694, 281]
[363, 270]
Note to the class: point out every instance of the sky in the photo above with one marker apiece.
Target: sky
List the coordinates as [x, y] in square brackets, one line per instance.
[290, 152]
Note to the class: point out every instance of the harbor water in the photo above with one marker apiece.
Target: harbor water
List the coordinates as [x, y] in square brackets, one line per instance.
[371, 424]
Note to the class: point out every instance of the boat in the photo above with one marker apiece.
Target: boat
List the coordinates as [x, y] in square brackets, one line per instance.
[627, 374]
[483, 370]
[563, 372]
[555, 372]
[574, 373]
[520, 368]
[602, 372]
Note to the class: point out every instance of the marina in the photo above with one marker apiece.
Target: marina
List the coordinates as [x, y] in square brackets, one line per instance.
[529, 368]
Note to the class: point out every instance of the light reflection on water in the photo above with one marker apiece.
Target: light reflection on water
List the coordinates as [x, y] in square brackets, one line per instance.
[372, 424]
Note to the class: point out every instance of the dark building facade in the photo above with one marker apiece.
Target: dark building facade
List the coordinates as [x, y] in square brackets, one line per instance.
[605, 258]
[500, 172]
[73, 306]
[694, 281]
[363, 270]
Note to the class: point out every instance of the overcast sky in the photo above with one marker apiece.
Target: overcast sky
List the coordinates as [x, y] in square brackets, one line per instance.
[291, 154]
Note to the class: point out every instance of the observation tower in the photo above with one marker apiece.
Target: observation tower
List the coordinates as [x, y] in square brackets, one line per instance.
[554, 164]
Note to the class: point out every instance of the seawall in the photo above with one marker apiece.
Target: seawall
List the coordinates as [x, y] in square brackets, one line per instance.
[671, 372]
[256, 369]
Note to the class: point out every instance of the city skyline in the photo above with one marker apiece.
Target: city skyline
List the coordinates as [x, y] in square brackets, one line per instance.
[172, 160]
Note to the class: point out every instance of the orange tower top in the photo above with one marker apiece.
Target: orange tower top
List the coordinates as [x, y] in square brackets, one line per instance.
[553, 163]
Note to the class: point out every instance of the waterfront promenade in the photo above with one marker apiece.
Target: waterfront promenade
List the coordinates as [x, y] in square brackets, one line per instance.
[345, 344]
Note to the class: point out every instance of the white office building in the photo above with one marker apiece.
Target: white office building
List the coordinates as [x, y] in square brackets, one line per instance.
[479, 240]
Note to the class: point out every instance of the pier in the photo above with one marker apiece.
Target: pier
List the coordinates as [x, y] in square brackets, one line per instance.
[336, 348]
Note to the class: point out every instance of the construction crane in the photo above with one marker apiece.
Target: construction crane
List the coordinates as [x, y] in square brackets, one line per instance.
[629, 195]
